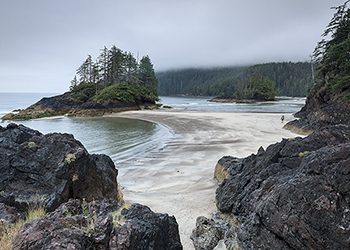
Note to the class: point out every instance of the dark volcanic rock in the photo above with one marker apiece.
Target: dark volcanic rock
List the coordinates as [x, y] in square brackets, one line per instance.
[288, 200]
[50, 169]
[321, 110]
[207, 234]
[144, 229]
[63, 104]
[95, 225]
[9, 214]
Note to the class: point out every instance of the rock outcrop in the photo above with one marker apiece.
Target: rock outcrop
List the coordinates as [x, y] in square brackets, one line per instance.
[51, 169]
[207, 234]
[321, 109]
[79, 190]
[100, 225]
[293, 195]
[63, 104]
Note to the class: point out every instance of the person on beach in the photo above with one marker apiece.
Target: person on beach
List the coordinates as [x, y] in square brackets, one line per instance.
[282, 118]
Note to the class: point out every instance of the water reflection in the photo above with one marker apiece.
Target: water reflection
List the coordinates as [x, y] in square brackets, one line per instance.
[120, 138]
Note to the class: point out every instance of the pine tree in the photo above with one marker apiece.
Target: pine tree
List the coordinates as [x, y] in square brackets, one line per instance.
[116, 65]
[333, 55]
[74, 83]
[85, 70]
[131, 68]
[147, 76]
[103, 61]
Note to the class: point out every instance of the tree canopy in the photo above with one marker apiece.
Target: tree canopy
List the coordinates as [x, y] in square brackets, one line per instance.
[256, 87]
[333, 53]
[291, 79]
[115, 75]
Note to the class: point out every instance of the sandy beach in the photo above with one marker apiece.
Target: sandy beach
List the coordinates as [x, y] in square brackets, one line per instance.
[178, 179]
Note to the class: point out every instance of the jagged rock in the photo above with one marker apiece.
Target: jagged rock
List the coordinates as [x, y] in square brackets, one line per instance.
[95, 225]
[9, 214]
[207, 234]
[50, 169]
[321, 109]
[221, 168]
[144, 229]
[294, 195]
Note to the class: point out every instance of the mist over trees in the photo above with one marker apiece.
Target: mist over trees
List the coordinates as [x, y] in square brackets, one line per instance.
[291, 79]
[113, 72]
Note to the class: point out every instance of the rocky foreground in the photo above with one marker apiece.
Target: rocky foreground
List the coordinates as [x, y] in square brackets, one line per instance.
[293, 195]
[64, 105]
[79, 190]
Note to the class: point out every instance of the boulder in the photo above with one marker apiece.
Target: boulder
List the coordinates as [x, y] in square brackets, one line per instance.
[221, 168]
[144, 229]
[293, 195]
[100, 225]
[50, 169]
[207, 234]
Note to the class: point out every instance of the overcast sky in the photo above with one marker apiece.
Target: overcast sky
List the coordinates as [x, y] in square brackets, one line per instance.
[43, 42]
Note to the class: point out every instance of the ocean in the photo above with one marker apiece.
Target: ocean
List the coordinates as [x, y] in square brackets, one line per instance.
[124, 140]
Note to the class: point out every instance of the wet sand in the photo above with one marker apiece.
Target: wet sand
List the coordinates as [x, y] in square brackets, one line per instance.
[178, 179]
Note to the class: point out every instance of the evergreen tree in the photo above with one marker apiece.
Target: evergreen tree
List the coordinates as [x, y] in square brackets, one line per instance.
[116, 75]
[131, 68]
[147, 76]
[85, 70]
[256, 87]
[103, 62]
[74, 83]
[333, 56]
[115, 65]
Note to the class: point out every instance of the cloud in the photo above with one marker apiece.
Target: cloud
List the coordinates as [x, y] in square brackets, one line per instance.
[43, 42]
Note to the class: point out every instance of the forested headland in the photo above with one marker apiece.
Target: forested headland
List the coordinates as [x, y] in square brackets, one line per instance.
[290, 79]
[115, 75]
[116, 81]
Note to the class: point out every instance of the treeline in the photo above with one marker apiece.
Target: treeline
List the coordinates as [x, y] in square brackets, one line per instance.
[116, 75]
[206, 82]
[291, 79]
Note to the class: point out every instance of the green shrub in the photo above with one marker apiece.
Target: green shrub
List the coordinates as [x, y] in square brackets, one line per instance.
[32, 116]
[118, 92]
[70, 158]
[302, 154]
[84, 91]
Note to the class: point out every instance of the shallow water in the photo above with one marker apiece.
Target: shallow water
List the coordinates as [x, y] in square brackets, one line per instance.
[120, 138]
[124, 140]
[282, 105]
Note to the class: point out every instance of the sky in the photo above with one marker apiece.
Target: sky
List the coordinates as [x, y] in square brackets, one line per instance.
[43, 42]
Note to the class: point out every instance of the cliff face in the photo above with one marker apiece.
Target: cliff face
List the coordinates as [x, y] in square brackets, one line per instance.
[63, 104]
[293, 195]
[321, 109]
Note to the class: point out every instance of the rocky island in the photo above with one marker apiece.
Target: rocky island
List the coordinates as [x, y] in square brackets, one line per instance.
[254, 88]
[116, 82]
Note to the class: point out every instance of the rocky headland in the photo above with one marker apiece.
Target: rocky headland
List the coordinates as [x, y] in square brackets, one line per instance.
[80, 192]
[322, 108]
[65, 105]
